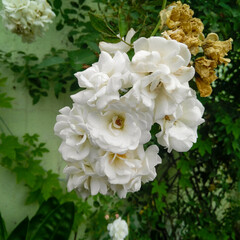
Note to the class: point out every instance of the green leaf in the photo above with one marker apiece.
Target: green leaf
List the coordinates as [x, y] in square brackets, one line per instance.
[8, 146]
[5, 101]
[3, 81]
[122, 23]
[74, 4]
[184, 182]
[70, 11]
[47, 62]
[34, 196]
[86, 8]
[74, 86]
[23, 174]
[184, 166]
[52, 221]
[49, 184]
[58, 88]
[203, 146]
[100, 25]
[36, 99]
[59, 26]
[79, 57]
[39, 150]
[160, 206]
[3, 231]
[20, 232]
[110, 39]
[161, 188]
[57, 4]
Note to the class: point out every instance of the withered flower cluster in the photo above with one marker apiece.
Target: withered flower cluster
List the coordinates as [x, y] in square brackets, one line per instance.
[184, 28]
[214, 53]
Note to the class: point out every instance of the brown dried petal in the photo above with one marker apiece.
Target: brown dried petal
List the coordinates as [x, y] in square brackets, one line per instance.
[216, 50]
[164, 15]
[193, 26]
[180, 13]
[205, 68]
[204, 88]
[192, 42]
[177, 35]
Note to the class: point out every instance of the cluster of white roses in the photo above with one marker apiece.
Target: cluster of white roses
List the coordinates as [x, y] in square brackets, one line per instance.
[118, 230]
[104, 133]
[27, 18]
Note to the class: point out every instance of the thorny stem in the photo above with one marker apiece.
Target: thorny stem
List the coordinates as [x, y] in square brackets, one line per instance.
[159, 22]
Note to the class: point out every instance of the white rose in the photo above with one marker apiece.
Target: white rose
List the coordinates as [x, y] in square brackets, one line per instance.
[179, 130]
[118, 230]
[163, 65]
[119, 128]
[27, 18]
[121, 46]
[83, 179]
[104, 80]
[71, 128]
[126, 172]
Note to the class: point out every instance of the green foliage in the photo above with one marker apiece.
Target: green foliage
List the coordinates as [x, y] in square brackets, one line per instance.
[52, 221]
[5, 101]
[160, 189]
[22, 159]
[3, 231]
[20, 232]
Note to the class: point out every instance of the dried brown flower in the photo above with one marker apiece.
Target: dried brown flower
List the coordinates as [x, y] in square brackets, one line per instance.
[215, 49]
[179, 13]
[204, 88]
[184, 28]
[205, 68]
[193, 26]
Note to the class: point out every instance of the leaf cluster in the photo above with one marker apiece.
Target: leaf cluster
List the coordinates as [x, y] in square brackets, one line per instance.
[55, 71]
[52, 221]
[5, 101]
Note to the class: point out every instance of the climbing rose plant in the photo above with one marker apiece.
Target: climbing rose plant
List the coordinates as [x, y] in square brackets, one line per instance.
[105, 134]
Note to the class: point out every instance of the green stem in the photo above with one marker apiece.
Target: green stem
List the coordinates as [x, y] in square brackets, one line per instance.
[5, 126]
[159, 22]
[130, 45]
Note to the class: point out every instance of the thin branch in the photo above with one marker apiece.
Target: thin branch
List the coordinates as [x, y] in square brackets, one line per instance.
[6, 125]
[159, 22]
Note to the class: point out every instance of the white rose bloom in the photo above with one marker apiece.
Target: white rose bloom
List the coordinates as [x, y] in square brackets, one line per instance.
[125, 172]
[83, 179]
[71, 128]
[104, 80]
[27, 18]
[136, 166]
[163, 64]
[121, 46]
[118, 230]
[104, 133]
[119, 128]
[110, 173]
[179, 130]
